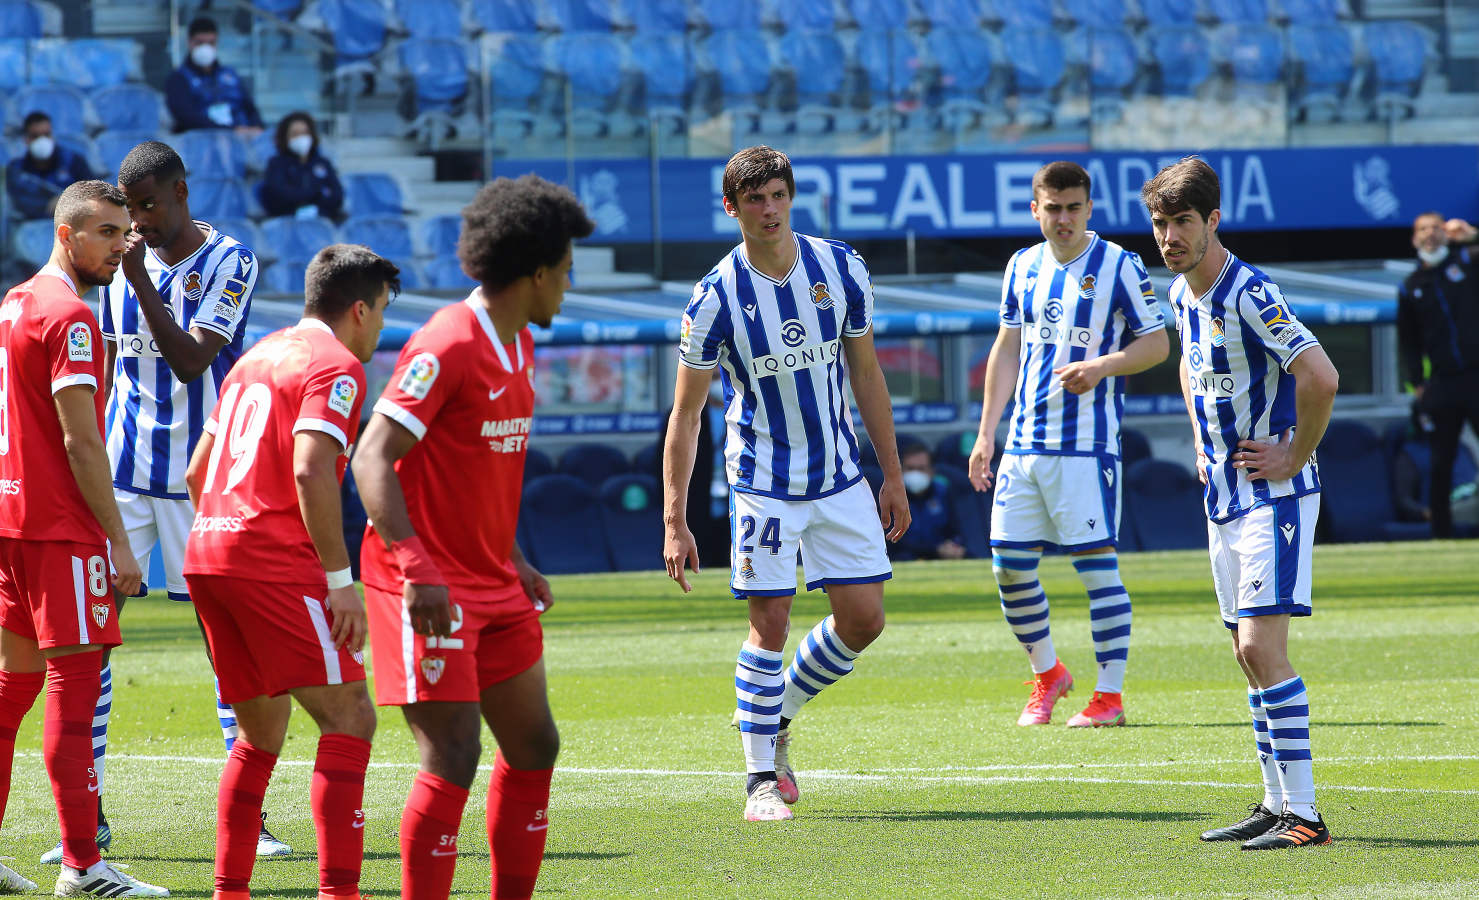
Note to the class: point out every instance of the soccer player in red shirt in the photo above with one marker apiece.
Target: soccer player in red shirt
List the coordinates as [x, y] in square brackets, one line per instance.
[454, 606]
[60, 527]
[269, 572]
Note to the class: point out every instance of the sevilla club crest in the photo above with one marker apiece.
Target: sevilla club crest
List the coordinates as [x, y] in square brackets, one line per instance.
[432, 668]
[100, 613]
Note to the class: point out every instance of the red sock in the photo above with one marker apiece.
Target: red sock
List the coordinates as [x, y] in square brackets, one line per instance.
[18, 692]
[71, 694]
[338, 795]
[239, 813]
[429, 837]
[518, 820]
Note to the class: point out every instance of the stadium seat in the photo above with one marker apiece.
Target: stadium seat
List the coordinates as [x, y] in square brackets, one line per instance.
[85, 63]
[388, 236]
[562, 523]
[357, 29]
[631, 516]
[896, 70]
[880, 15]
[438, 19]
[666, 68]
[648, 459]
[287, 10]
[1109, 14]
[1253, 53]
[261, 149]
[1134, 446]
[1038, 61]
[867, 456]
[1169, 510]
[14, 63]
[952, 15]
[212, 153]
[1356, 499]
[727, 15]
[291, 239]
[245, 231]
[1311, 12]
[515, 81]
[283, 277]
[1024, 14]
[663, 16]
[816, 59]
[1183, 58]
[1399, 55]
[593, 64]
[966, 63]
[438, 74]
[412, 281]
[21, 19]
[113, 146]
[873, 475]
[1238, 12]
[955, 449]
[372, 193]
[578, 15]
[66, 105]
[816, 15]
[1169, 13]
[219, 198]
[593, 463]
[32, 241]
[438, 235]
[537, 463]
[744, 75]
[500, 16]
[1113, 65]
[1420, 452]
[1322, 60]
[129, 107]
[445, 274]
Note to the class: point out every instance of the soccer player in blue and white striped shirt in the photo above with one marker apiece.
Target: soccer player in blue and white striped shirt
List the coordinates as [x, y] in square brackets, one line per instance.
[1259, 389]
[1077, 315]
[784, 318]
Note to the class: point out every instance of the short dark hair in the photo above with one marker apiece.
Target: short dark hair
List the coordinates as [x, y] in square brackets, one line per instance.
[1188, 184]
[280, 137]
[77, 201]
[33, 117]
[1060, 176]
[1423, 215]
[754, 166]
[340, 274]
[202, 25]
[151, 159]
[514, 226]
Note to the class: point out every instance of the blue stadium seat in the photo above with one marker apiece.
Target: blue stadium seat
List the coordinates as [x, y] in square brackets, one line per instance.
[1169, 13]
[1253, 52]
[955, 449]
[113, 146]
[1356, 499]
[500, 16]
[562, 525]
[1038, 61]
[412, 280]
[592, 61]
[648, 459]
[593, 463]
[1183, 58]
[284, 277]
[21, 19]
[32, 241]
[372, 193]
[578, 15]
[816, 15]
[666, 67]
[296, 240]
[516, 78]
[536, 464]
[357, 29]
[1312, 12]
[816, 57]
[667, 16]
[438, 72]
[1169, 510]
[1134, 446]
[66, 105]
[1024, 14]
[727, 15]
[287, 10]
[245, 231]
[1323, 63]
[966, 62]
[219, 198]
[1399, 55]
[631, 515]
[895, 70]
[1239, 12]
[445, 274]
[439, 234]
[431, 18]
[744, 77]
[1420, 452]
[952, 15]
[388, 236]
[880, 15]
[84, 63]
[129, 107]
[212, 153]
[1113, 65]
[14, 63]
[1109, 14]
[261, 149]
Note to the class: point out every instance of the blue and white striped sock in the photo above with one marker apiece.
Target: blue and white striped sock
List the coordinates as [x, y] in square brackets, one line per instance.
[100, 715]
[757, 691]
[1288, 709]
[1109, 617]
[1273, 792]
[1024, 604]
[227, 717]
[820, 660]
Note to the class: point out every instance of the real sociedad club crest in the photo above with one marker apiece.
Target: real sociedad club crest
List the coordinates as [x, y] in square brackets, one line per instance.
[193, 290]
[820, 296]
[1218, 338]
[1086, 287]
[432, 668]
[100, 613]
[747, 569]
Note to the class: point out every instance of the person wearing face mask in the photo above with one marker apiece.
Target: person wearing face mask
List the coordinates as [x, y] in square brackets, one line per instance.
[299, 179]
[1438, 340]
[935, 528]
[37, 177]
[203, 93]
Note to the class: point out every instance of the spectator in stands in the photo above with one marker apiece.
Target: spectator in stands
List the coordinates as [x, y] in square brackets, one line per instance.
[936, 528]
[37, 177]
[202, 93]
[1438, 337]
[300, 181]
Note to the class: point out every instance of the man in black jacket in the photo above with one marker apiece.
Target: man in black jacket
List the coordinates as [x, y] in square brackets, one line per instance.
[1438, 324]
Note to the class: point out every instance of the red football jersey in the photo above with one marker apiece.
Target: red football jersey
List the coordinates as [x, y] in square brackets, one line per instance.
[248, 523]
[469, 400]
[48, 341]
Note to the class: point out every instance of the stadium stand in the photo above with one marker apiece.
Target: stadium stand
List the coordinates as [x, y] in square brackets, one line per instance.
[1399, 54]
[744, 83]
[515, 82]
[1311, 12]
[1113, 65]
[437, 72]
[129, 107]
[561, 523]
[388, 236]
[295, 240]
[212, 153]
[14, 63]
[880, 15]
[357, 29]
[593, 64]
[663, 60]
[372, 194]
[444, 273]
[1134, 446]
[1322, 60]
[1355, 472]
[631, 515]
[32, 241]
[1097, 14]
[1167, 503]
[85, 63]
[593, 463]
[22, 19]
[811, 59]
[1182, 59]
[220, 198]
[658, 16]
[431, 19]
[1238, 12]
[537, 463]
[68, 107]
[966, 62]
[578, 15]
[497, 16]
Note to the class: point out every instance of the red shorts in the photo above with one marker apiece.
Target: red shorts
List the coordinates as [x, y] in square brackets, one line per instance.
[267, 639]
[58, 593]
[498, 637]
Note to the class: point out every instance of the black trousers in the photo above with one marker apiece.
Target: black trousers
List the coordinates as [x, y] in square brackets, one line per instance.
[1449, 400]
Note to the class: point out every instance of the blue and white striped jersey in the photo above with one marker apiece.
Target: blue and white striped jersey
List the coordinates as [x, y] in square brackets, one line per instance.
[153, 419]
[779, 348]
[1093, 305]
[1237, 341]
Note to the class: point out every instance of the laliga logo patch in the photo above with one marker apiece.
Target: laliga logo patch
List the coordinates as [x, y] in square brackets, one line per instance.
[683, 331]
[420, 374]
[79, 343]
[432, 668]
[100, 613]
[820, 296]
[193, 290]
[1053, 312]
[793, 333]
[1218, 338]
[342, 394]
[1086, 287]
[747, 569]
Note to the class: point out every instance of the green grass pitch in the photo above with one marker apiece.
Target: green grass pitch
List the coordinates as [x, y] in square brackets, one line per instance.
[915, 780]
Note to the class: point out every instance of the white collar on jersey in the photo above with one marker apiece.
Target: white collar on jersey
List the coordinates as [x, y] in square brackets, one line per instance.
[1093, 239]
[320, 324]
[1226, 265]
[745, 255]
[210, 232]
[474, 302]
[56, 272]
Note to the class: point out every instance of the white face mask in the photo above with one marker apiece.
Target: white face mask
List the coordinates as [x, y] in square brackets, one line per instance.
[1433, 257]
[301, 144]
[916, 482]
[203, 55]
[42, 147]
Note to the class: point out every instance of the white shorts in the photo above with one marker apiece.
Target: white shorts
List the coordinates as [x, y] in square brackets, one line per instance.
[1052, 500]
[149, 520]
[1261, 561]
[839, 536]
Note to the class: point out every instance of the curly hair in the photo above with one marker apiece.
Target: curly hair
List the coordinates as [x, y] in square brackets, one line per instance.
[151, 159]
[512, 227]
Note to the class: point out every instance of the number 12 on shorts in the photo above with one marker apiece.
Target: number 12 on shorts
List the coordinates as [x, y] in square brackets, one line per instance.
[770, 534]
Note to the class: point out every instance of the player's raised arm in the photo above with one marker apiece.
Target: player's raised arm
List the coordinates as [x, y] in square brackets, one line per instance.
[188, 353]
[689, 397]
[89, 463]
[871, 390]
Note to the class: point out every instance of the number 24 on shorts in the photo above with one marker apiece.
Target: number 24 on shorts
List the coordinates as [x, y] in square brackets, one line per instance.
[770, 534]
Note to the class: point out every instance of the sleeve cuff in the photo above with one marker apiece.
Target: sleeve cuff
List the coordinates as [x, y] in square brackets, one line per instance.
[390, 410]
[1289, 360]
[1153, 327]
[850, 332]
[69, 380]
[702, 368]
[328, 428]
[210, 325]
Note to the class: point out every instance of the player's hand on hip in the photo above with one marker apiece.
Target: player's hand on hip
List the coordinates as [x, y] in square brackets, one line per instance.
[1079, 377]
[893, 508]
[429, 607]
[126, 573]
[347, 621]
[679, 549]
[1271, 460]
[536, 586]
[980, 462]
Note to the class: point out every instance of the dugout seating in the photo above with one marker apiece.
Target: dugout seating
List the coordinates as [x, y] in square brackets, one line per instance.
[1168, 511]
[593, 463]
[537, 463]
[1134, 446]
[972, 511]
[1356, 501]
[1398, 443]
[631, 513]
[560, 521]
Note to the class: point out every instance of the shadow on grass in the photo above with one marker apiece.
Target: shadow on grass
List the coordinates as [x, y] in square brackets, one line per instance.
[1316, 725]
[1405, 843]
[1014, 815]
